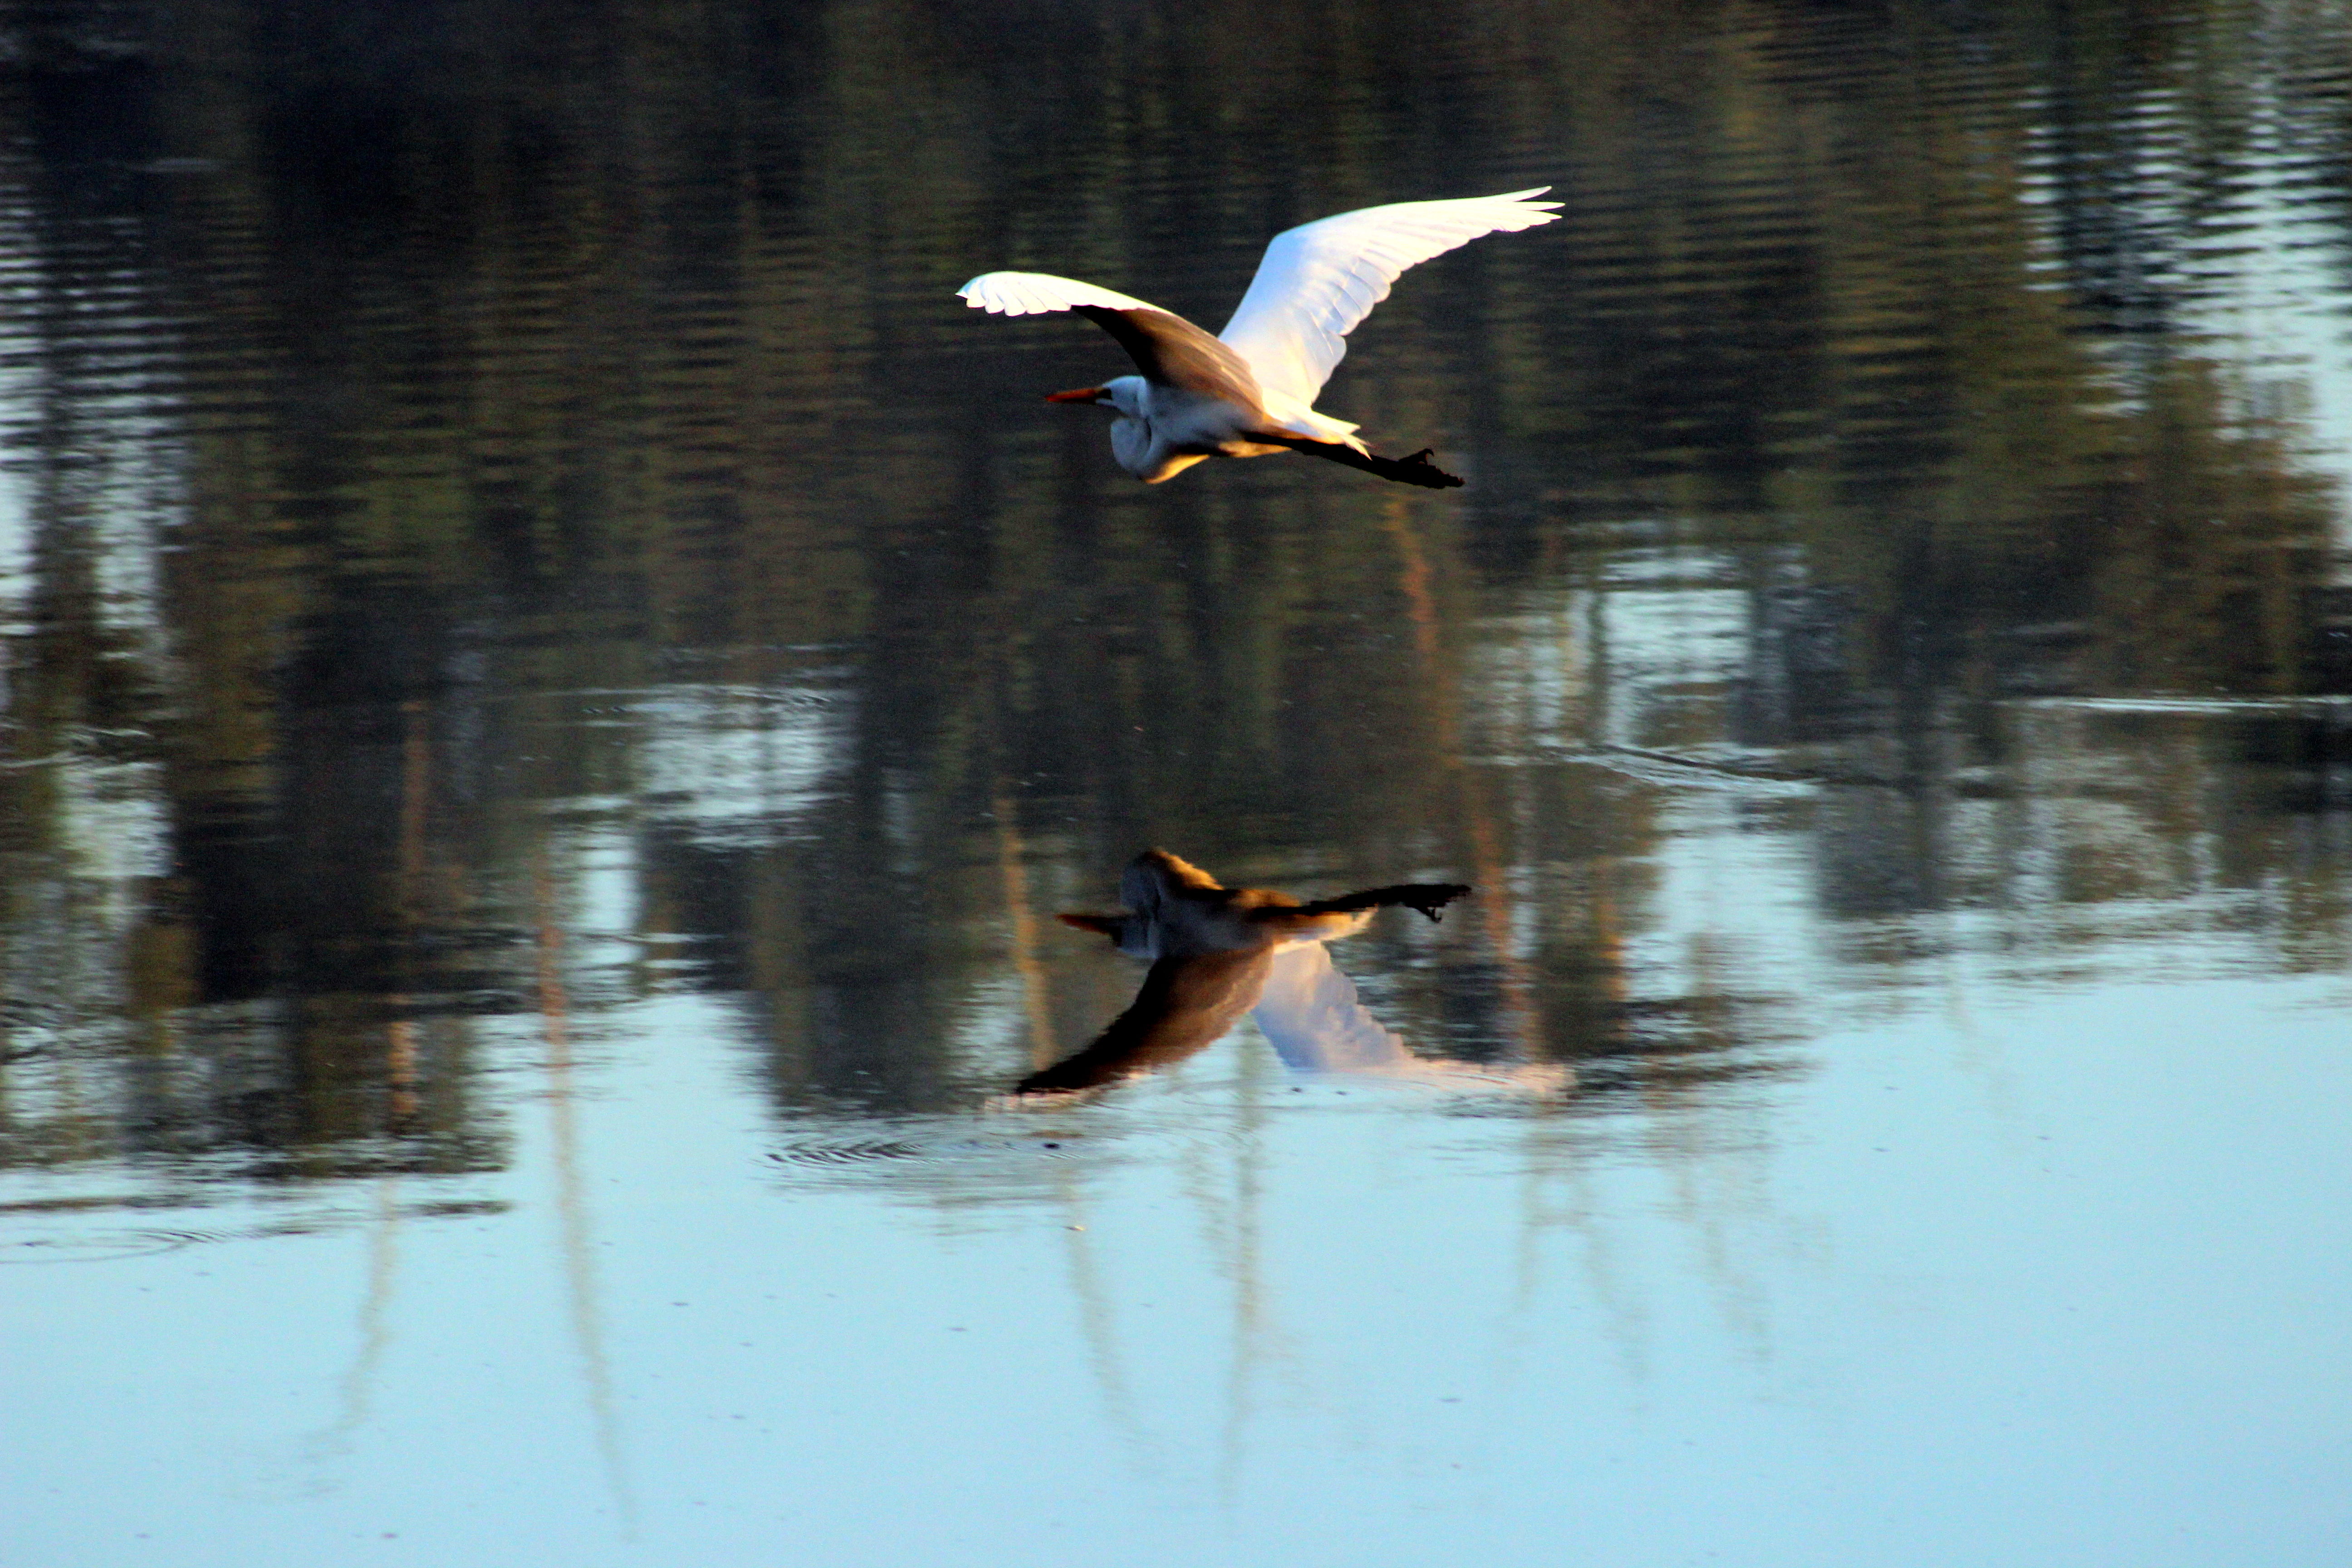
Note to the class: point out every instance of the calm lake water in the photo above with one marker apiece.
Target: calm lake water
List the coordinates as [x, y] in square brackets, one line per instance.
[553, 678]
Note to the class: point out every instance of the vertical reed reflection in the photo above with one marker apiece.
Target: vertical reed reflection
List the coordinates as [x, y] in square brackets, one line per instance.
[1035, 999]
[1523, 1024]
[374, 1337]
[1099, 1324]
[571, 1197]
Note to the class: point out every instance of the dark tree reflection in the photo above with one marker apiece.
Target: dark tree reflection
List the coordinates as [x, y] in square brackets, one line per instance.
[507, 513]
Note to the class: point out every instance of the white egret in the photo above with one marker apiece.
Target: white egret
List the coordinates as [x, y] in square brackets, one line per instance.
[1250, 391]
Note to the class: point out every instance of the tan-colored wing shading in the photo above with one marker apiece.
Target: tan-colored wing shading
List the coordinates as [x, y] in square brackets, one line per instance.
[1186, 1005]
[1171, 350]
[1179, 872]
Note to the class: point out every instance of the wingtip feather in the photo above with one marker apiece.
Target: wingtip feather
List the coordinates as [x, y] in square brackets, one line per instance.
[1532, 212]
[1038, 294]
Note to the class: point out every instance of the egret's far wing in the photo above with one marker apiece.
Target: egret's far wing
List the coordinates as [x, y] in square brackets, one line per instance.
[1038, 294]
[1165, 347]
[1319, 279]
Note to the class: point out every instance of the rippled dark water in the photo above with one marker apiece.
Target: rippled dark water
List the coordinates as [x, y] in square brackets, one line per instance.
[555, 679]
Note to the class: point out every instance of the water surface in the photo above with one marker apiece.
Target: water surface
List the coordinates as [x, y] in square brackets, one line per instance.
[555, 679]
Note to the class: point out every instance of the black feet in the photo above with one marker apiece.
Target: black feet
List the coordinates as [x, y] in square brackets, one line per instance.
[1417, 470]
[1431, 898]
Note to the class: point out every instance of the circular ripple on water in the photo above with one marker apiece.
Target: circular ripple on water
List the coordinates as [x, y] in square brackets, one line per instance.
[97, 1248]
[942, 1149]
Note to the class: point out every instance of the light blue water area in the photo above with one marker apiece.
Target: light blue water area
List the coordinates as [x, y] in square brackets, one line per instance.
[2035, 1277]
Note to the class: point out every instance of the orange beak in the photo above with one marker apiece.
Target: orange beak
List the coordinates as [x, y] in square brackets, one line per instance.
[1080, 394]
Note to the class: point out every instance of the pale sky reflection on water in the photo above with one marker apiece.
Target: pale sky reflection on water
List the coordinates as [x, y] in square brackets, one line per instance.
[1897, 1306]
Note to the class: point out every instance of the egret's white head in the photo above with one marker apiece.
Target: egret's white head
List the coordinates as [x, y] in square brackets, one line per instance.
[1124, 393]
[1131, 438]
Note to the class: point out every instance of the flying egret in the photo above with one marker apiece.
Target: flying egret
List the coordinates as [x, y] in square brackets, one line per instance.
[1250, 391]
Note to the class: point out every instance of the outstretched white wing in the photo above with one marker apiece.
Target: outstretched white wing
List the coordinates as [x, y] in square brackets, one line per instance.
[1319, 279]
[1036, 293]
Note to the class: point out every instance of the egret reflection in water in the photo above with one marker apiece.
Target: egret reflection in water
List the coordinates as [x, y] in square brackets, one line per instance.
[1218, 953]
